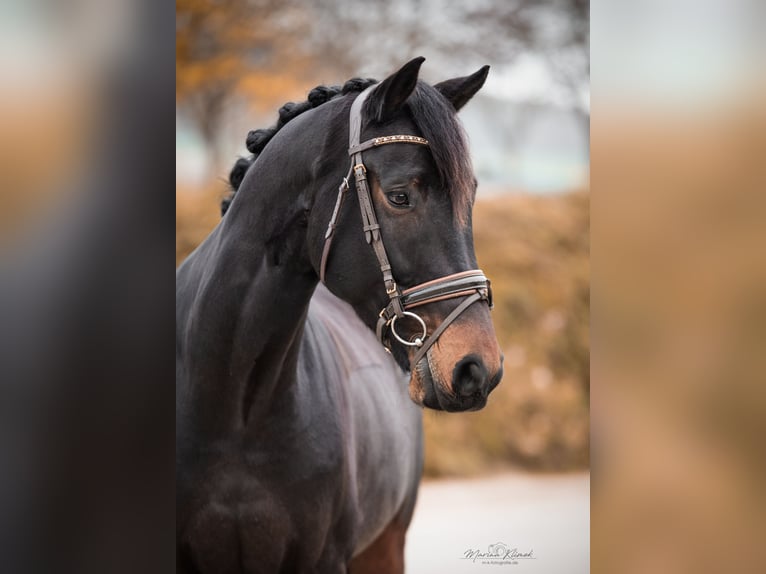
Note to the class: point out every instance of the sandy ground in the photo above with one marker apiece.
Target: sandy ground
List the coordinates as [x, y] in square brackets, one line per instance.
[547, 514]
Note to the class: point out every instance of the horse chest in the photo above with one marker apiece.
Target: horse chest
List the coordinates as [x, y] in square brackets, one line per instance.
[273, 510]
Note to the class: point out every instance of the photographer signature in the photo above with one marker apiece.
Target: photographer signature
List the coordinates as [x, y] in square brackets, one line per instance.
[497, 552]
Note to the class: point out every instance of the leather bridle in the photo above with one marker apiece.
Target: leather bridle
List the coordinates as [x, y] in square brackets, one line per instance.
[471, 285]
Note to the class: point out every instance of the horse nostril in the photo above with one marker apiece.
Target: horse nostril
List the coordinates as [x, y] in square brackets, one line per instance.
[470, 376]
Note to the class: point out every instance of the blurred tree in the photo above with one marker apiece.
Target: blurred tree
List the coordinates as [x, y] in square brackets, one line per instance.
[228, 48]
[358, 34]
[270, 50]
[558, 31]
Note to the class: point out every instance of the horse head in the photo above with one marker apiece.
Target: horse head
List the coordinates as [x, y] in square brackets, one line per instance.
[406, 262]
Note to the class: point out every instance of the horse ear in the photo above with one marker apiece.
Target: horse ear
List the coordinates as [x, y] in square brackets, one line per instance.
[459, 90]
[386, 99]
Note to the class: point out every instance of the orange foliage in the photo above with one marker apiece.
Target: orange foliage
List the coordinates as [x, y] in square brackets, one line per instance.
[233, 47]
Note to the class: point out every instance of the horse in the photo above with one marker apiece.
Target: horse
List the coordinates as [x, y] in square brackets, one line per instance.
[306, 347]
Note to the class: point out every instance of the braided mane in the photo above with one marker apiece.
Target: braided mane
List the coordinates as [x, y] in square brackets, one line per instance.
[257, 139]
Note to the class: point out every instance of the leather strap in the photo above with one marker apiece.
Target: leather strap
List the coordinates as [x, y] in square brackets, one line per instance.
[471, 284]
[438, 280]
[370, 223]
[375, 142]
[369, 220]
[433, 337]
[448, 287]
[329, 234]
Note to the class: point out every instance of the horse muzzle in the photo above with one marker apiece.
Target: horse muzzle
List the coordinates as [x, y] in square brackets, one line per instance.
[461, 369]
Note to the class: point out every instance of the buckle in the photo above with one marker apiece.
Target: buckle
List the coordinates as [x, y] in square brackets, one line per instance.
[392, 290]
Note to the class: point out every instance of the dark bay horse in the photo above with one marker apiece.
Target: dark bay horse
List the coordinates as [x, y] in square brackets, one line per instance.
[298, 449]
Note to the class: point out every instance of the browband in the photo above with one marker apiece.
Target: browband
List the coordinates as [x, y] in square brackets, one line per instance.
[375, 142]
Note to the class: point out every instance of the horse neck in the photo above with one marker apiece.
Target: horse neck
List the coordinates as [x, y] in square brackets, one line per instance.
[251, 282]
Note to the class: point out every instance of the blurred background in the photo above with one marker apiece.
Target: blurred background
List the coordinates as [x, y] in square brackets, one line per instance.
[238, 61]
[678, 205]
[679, 281]
[86, 286]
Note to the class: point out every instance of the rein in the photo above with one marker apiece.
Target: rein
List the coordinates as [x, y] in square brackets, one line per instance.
[471, 285]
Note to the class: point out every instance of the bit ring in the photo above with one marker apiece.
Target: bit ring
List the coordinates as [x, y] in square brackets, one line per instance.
[418, 342]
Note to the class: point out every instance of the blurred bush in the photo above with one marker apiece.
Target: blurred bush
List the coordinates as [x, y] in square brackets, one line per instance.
[678, 180]
[535, 249]
[679, 402]
[197, 213]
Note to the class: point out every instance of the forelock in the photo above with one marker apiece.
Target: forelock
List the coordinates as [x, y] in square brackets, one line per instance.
[436, 119]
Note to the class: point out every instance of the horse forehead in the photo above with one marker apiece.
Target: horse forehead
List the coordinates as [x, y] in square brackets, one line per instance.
[401, 157]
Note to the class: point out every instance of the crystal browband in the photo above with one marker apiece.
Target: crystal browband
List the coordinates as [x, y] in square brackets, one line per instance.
[399, 139]
[375, 142]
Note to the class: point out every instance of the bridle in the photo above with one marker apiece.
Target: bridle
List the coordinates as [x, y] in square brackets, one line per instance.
[471, 285]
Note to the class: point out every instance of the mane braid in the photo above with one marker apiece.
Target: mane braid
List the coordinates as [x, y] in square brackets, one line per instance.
[257, 139]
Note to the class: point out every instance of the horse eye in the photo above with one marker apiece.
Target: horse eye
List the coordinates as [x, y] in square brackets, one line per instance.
[399, 199]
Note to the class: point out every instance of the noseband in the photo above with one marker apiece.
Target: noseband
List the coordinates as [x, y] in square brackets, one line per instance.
[471, 285]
